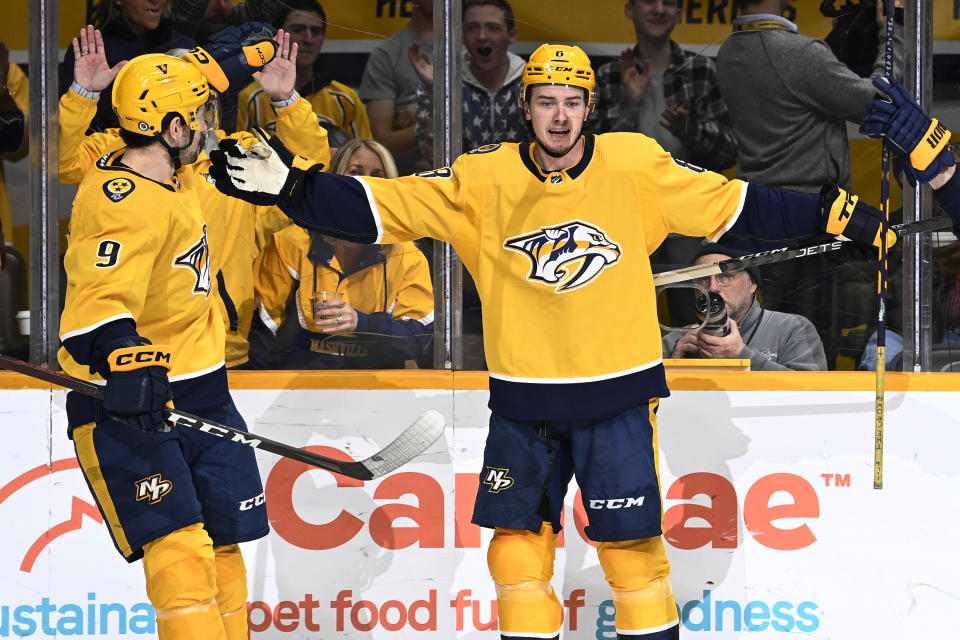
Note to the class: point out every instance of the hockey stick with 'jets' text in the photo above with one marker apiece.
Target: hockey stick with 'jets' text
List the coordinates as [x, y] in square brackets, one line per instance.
[407, 446]
[785, 253]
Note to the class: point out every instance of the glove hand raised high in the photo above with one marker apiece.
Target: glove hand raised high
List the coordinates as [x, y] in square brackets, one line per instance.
[263, 174]
[233, 54]
[137, 386]
[920, 139]
[843, 214]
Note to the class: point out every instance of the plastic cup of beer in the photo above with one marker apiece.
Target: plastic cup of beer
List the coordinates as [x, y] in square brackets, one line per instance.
[320, 301]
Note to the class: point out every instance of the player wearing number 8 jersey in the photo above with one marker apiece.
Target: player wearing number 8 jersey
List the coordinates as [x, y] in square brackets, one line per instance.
[557, 235]
[140, 319]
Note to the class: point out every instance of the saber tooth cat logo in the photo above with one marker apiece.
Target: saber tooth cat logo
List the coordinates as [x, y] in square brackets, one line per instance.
[568, 255]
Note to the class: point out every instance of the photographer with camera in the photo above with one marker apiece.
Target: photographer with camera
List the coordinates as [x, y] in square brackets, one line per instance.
[738, 327]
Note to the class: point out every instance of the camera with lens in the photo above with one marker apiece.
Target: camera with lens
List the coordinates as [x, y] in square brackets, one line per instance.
[712, 314]
[855, 32]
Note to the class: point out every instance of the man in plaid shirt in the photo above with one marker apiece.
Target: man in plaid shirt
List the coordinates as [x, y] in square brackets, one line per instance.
[669, 94]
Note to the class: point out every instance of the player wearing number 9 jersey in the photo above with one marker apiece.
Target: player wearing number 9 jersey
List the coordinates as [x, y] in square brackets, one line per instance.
[141, 319]
[236, 230]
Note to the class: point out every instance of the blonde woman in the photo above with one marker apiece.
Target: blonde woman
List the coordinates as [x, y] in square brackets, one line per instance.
[383, 314]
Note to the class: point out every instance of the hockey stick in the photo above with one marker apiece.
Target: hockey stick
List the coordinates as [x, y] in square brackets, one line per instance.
[785, 253]
[879, 402]
[407, 446]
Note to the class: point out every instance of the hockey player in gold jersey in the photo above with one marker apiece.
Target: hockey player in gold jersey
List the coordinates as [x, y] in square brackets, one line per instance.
[140, 319]
[236, 229]
[557, 235]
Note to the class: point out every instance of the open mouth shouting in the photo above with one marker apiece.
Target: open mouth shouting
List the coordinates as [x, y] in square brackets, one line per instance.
[558, 135]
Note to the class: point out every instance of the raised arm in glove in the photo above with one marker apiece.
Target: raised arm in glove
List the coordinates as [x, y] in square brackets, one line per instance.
[919, 138]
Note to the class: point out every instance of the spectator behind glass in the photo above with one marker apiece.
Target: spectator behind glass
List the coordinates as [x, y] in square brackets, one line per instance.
[385, 317]
[306, 22]
[389, 89]
[14, 107]
[790, 98]
[130, 28]
[658, 89]
[773, 341]
[490, 79]
[671, 95]
[200, 19]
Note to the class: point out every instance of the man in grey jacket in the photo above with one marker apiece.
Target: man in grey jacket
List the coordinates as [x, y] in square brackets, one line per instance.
[790, 97]
[773, 341]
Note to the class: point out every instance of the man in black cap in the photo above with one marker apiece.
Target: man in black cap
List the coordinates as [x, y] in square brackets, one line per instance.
[773, 341]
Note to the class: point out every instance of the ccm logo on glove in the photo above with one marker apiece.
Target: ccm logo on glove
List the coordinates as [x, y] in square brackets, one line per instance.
[137, 357]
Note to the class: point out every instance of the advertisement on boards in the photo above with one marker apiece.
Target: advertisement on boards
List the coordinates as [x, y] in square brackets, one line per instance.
[771, 522]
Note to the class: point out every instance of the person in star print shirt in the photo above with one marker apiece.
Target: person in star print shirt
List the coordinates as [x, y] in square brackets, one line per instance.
[491, 80]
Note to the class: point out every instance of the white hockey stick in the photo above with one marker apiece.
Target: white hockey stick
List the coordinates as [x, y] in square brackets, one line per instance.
[784, 253]
[407, 446]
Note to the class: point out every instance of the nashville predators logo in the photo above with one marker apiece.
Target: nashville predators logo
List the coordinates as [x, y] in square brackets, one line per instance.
[569, 255]
[118, 188]
[197, 259]
[152, 489]
[497, 479]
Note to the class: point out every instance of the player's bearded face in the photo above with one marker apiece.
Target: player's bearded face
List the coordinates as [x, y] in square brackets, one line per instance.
[207, 118]
[557, 114]
[191, 153]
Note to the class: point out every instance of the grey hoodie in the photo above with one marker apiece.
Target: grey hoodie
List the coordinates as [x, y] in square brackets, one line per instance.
[488, 116]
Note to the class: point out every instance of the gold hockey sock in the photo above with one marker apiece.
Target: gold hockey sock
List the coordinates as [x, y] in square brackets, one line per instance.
[182, 585]
[232, 591]
[521, 564]
[639, 576]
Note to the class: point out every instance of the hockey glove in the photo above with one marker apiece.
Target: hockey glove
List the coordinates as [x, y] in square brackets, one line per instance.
[137, 386]
[843, 214]
[263, 174]
[921, 140]
[234, 54]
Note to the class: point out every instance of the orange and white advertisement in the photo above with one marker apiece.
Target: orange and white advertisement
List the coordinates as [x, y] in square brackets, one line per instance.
[772, 523]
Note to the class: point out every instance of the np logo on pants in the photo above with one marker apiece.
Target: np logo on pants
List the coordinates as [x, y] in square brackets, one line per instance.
[497, 479]
[153, 488]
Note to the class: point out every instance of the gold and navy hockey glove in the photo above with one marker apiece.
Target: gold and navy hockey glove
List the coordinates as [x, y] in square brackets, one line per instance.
[233, 54]
[137, 386]
[843, 214]
[921, 140]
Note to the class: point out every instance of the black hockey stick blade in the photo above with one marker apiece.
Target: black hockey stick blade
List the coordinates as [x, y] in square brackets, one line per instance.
[408, 445]
[785, 253]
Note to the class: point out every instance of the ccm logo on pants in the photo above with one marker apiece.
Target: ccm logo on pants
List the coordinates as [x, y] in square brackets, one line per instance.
[616, 503]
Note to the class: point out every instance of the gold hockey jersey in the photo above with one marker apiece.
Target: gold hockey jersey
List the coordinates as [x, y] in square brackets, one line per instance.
[560, 260]
[138, 250]
[233, 224]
